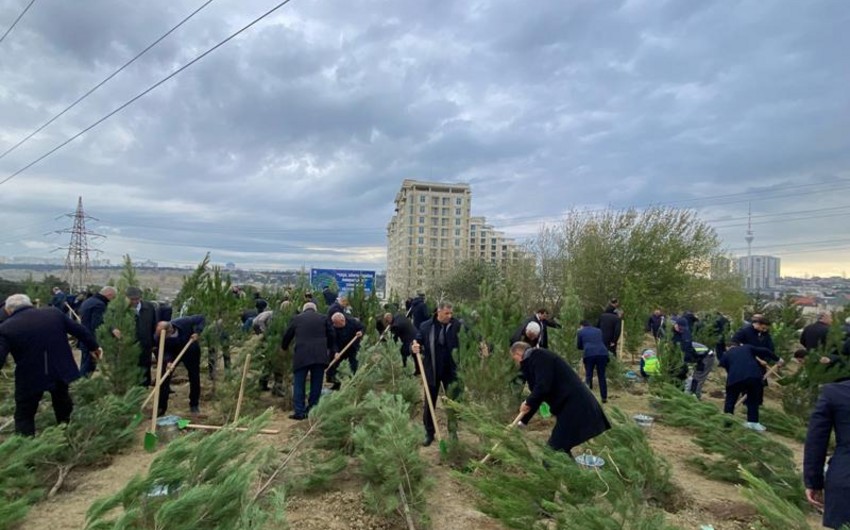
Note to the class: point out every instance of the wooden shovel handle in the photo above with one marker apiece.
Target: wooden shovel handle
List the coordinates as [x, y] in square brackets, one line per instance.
[155, 394]
[339, 356]
[428, 397]
[242, 387]
[169, 371]
[512, 424]
[219, 427]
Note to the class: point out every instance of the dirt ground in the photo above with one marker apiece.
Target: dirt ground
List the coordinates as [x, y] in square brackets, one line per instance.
[451, 504]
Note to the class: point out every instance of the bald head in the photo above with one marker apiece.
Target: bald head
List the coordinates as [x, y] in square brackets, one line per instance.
[338, 320]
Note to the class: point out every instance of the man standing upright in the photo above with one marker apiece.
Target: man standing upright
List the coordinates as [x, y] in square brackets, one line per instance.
[437, 340]
[419, 312]
[313, 337]
[655, 324]
[38, 341]
[756, 334]
[91, 316]
[611, 325]
[145, 330]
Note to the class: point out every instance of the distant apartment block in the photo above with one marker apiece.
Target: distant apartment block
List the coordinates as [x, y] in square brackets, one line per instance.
[432, 230]
[758, 273]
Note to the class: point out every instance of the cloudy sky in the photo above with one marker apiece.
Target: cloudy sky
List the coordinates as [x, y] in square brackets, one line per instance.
[286, 146]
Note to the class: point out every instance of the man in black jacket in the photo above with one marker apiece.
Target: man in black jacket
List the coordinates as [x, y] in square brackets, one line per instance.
[145, 329]
[541, 318]
[419, 310]
[38, 341]
[815, 334]
[403, 331]
[91, 316]
[579, 417]
[655, 324]
[437, 340]
[611, 324]
[313, 337]
[757, 333]
[345, 329]
[178, 333]
[745, 375]
[830, 493]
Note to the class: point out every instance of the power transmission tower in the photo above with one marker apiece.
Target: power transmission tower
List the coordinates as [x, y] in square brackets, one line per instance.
[77, 260]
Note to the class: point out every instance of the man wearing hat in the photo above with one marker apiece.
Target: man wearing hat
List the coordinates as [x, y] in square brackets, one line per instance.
[145, 328]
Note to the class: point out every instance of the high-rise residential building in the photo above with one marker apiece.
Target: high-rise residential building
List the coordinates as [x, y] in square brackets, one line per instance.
[431, 231]
[758, 273]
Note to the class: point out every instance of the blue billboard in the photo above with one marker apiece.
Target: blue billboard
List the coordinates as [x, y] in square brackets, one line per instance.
[346, 280]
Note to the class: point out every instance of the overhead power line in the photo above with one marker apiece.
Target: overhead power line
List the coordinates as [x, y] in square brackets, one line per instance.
[106, 80]
[146, 91]
[15, 23]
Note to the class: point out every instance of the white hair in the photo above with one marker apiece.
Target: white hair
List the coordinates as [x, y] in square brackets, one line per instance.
[308, 305]
[336, 317]
[532, 329]
[109, 291]
[17, 301]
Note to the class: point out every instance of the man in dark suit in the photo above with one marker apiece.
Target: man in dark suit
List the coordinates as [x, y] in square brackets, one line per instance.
[437, 340]
[757, 333]
[38, 341]
[403, 331]
[611, 325]
[313, 337]
[815, 334]
[145, 329]
[345, 329]
[579, 417]
[541, 318]
[419, 310]
[745, 369]
[178, 334]
[91, 316]
[830, 493]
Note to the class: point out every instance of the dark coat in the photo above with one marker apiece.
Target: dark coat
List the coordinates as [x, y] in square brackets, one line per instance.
[329, 296]
[419, 311]
[750, 335]
[551, 379]
[741, 365]
[335, 307]
[832, 411]
[814, 335]
[38, 341]
[589, 340]
[439, 358]
[314, 338]
[146, 326]
[185, 327]
[610, 324]
[92, 310]
[343, 335]
[655, 325]
[164, 312]
[402, 329]
[543, 339]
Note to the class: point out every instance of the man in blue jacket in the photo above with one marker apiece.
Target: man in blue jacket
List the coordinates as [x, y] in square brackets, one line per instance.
[38, 341]
[745, 368]
[91, 316]
[589, 340]
[579, 417]
[178, 333]
[830, 493]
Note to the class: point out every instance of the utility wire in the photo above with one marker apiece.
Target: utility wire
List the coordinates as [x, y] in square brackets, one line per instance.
[146, 91]
[106, 80]
[15, 23]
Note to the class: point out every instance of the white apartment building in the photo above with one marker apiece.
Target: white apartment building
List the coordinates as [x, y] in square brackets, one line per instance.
[431, 231]
[758, 273]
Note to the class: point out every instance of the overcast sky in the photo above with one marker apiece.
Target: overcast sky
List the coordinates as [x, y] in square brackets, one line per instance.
[286, 146]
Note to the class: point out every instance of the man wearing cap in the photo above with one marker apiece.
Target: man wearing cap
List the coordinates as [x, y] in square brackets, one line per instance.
[145, 328]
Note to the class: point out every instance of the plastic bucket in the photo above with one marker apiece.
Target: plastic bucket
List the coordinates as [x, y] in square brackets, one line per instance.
[589, 461]
[644, 421]
[166, 428]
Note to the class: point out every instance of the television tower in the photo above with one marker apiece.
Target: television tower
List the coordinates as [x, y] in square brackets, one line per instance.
[77, 259]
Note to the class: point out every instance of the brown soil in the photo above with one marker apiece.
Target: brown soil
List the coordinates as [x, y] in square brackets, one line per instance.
[451, 504]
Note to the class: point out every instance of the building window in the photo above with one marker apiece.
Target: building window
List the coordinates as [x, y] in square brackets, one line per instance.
[435, 211]
[421, 229]
[436, 201]
[457, 223]
[421, 209]
[434, 231]
[444, 232]
[421, 240]
[457, 211]
[422, 198]
[435, 221]
[458, 201]
[422, 220]
[445, 201]
[410, 241]
[457, 242]
[444, 222]
[457, 231]
[445, 211]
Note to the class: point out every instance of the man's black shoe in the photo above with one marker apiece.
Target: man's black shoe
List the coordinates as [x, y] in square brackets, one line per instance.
[297, 417]
[429, 439]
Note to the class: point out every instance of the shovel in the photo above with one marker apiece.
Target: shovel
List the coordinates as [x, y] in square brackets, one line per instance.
[159, 381]
[512, 424]
[150, 436]
[242, 387]
[187, 424]
[444, 449]
[766, 375]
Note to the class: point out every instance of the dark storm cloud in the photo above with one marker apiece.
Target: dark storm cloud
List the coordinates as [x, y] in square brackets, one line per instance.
[289, 144]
